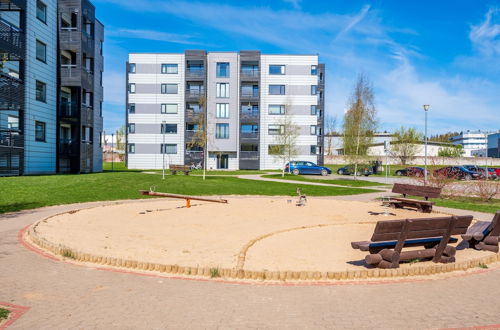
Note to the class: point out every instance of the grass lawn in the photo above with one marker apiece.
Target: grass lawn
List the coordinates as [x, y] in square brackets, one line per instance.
[346, 182]
[28, 192]
[472, 204]
[4, 313]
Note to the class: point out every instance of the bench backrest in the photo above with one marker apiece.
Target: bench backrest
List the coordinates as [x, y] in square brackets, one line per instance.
[180, 167]
[495, 225]
[414, 190]
[389, 230]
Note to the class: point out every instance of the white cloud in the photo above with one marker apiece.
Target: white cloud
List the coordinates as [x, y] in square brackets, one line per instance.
[486, 36]
[295, 3]
[152, 35]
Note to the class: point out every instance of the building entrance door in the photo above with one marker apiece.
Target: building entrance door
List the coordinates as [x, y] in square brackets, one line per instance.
[222, 161]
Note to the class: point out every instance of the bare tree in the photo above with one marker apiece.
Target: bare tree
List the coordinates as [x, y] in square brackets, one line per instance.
[406, 145]
[200, 136]
[330, 125]
[120, 142]
[360, 122]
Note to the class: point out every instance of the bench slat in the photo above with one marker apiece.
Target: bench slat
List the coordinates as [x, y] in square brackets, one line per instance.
[414, 190]
[395, 226]
[417, 234]
[409, 200]
[368, 245]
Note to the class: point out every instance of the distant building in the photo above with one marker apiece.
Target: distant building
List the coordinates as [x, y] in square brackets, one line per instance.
[334, 141]
[378, 149]
[471, 141]
[494, 145]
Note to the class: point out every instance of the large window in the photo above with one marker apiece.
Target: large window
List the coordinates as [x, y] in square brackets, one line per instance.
[41, 51]
[314, 89]
[39, 131]
[276, 69]
[131, 88]
[169, 88]
[195, 107]
[276, 109]
[131, 68]
[276, 129]
[131, 108]
[192, 127]
[314, 149]
[314, 130]
[222, 131]
[314, 70]
[314, 110]
[169, 108]
[41, 11]
[222, 110]
[169, 68]
[131, 148]
[169, 128]
[276, 89]
[131, 128]
[40, 91]
[222, 89]
[169, 149]
[249, 128]
[222, 70]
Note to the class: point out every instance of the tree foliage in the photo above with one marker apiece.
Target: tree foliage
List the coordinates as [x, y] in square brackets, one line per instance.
[443, 137]
[360, 122]
[330, 126]
[451, 151]
[405, 144]
[285, 147]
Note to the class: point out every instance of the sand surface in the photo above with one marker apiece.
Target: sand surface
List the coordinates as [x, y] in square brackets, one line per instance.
[278, 235]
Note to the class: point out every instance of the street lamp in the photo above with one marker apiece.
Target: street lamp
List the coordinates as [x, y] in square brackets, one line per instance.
[164, 148]
[426, 109]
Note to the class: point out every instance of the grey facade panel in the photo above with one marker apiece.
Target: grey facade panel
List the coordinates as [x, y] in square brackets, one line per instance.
[298, 90]
[304, 70]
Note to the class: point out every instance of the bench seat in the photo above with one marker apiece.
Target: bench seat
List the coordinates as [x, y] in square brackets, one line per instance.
[410, 200]
[370, 246]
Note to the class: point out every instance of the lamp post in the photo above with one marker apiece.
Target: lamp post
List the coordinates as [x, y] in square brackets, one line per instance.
[164, 149]
[112, 152]
[426, 109]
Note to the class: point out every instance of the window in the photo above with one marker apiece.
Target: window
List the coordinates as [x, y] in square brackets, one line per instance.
[276, 109]
[170, 68]
[276, 69]
[314, 89]
[222, 90]
[222, 110]
[41, 51]
[41, 11]
[131, 88]
[314, 70]
[222, 131]
[41, 91]
[39, 131]
[195, 107]
[276, 149]
[313, 150]
[249, 128]
[131, 68]
[314, 110]
[131, 108]
[169, 108]
[131, 128]
[222, 70]
[131, 148]
[100, 108]
[169, 128]
[191, 148]
[169, 88]
[169, 149]
[253, 109]
[276, 129]
[192, 127]
[12, 122]
[314, 130]
[249, 147]
[276, 89]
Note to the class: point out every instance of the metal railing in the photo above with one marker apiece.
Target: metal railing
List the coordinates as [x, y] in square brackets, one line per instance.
[11, 92]
[69, 109]
[195, 73]
[195, 92]
[11, 40]
[249, 73]
[249, 95]
[11, 138]
[252, 135]
[249, 155]
[68, 147]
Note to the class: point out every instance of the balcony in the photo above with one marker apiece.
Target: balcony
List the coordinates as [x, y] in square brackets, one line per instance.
[68, 147]
[11, 41]
[11, 93]
[11, 138]
[12, 5]
[69, 110]
[195, 73]
[249, 74]
[249, 116]
[193, 157]
[249, 93]
[249, 135]
[249, 155]
[195, 94]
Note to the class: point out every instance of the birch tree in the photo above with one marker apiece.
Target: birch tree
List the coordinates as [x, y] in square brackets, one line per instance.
[285, 148]
[406, 145]
[200, 136]
[330, 126]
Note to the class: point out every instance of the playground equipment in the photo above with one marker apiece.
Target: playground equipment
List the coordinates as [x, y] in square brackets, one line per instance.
[188, 198]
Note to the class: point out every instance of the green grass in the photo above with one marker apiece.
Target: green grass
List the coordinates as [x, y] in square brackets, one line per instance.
[342, 182]
[28, 192]
[469, 203]
[4, 313]
[214, 272]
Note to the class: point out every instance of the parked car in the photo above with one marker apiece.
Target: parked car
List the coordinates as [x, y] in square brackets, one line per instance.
[456, 172]
[492, 175]
[300, 167]
[365, 170]
[411, 171]
[497, 171]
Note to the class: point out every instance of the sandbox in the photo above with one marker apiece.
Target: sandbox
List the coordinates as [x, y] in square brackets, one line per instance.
[252, 235]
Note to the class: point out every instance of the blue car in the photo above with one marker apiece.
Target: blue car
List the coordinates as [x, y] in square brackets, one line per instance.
[306, 168]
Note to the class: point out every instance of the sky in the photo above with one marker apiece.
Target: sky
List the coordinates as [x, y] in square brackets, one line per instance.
[442, 53]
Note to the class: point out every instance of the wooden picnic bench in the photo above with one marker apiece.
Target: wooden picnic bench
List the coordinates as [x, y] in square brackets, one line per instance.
[180, 168]
[414, 190]
[391, 236]
[484, 235]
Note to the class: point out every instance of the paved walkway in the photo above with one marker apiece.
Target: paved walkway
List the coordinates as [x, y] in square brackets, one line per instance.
[66, 296]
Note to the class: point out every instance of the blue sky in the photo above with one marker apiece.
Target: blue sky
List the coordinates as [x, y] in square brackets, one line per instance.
[443, 53]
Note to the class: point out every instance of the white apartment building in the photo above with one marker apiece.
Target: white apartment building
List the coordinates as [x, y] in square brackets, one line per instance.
[246, 98]
[472, 142]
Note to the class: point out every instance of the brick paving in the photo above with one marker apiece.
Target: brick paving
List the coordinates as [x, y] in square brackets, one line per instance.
[66, 296]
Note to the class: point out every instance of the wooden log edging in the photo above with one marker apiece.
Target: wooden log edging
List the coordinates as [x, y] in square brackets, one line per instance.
[428, 268]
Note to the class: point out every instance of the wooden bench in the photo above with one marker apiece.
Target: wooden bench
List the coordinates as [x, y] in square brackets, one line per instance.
[434, 234]
[413, 190]
[484, 235]
[180, 168]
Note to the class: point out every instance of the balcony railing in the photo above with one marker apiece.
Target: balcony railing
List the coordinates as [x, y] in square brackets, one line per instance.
[249, 115]
[11, 138]
[195, 73]
[249, 155]
[11, 93]
[249, 95]
[68, 147]
[11, 41]
[249, 135]
[249, 74]
[195, 93]
[69, 110]
[13, 5]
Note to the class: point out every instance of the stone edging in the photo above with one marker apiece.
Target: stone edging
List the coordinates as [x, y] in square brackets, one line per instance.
[242, 274]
